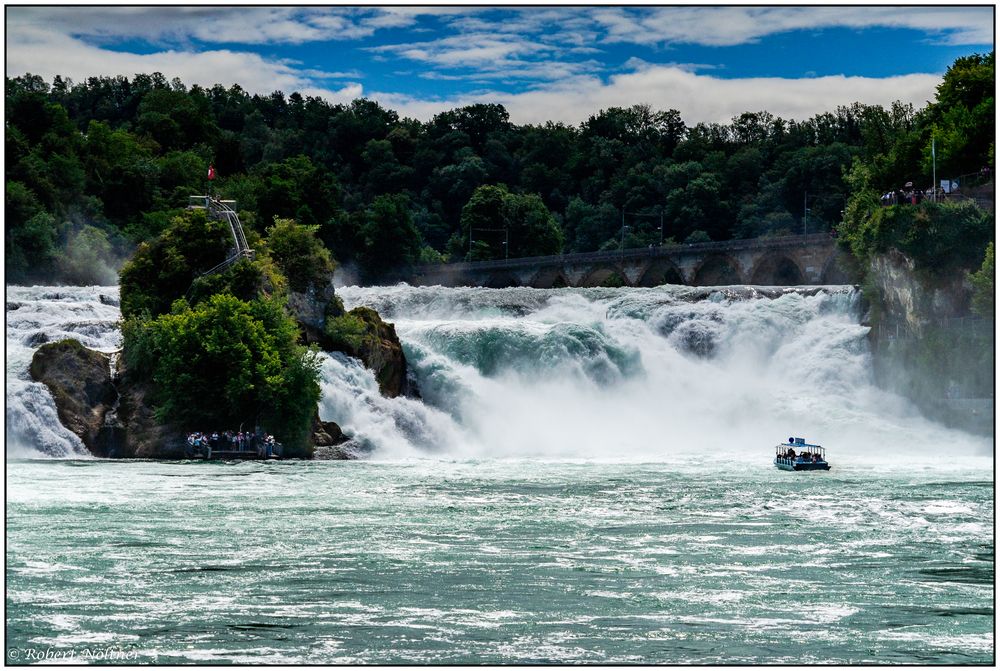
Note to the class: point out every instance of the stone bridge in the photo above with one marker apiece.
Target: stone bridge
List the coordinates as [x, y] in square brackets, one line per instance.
[783, 261]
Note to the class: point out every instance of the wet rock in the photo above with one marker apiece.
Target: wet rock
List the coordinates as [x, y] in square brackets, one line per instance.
[13, 305]
[108, 300]
[79, 380]
[343, 452]
[311, 309]
[376, 344]
[327, 434]
[37, 338]
[114, 417]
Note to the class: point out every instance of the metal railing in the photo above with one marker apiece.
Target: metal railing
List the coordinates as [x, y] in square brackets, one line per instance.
[633, 253]
[223, 209]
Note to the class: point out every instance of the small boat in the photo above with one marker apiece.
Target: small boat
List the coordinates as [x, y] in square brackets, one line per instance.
[798, 455]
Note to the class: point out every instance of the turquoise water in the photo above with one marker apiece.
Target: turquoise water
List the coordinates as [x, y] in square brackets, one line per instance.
[507, 561]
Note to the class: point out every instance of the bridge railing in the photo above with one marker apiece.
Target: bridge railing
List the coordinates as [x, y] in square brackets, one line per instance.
[630, 253]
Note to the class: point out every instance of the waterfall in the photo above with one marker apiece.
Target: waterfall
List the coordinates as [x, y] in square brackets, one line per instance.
[567, 373]
[642, 373]
[37, 315]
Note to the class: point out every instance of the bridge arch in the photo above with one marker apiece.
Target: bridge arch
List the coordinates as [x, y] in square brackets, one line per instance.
[605, 276]
[502, 280]
[660, 271]
[718, 270]
[777, 269]
[549, 278]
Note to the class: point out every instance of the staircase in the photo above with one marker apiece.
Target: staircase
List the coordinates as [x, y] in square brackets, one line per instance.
[224, 209]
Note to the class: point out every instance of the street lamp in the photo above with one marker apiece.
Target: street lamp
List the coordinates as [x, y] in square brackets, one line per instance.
[805, 213]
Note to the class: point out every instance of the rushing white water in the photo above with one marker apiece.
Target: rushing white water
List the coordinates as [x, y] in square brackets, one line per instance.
[36, 315]
[646, 374]
[639, 374]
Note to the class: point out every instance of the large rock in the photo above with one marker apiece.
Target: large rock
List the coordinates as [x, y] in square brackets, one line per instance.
[80, 382]
[145, 436]
[327, 434]
[312, 307]
[378, 347]
[112, 415]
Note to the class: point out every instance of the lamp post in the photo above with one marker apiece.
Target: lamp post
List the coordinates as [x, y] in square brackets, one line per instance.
[805, 213]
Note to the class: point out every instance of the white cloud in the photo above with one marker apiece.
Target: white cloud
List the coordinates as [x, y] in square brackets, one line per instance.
[46, 53]
[227, 25]
[465, 50]
[727, 26]
[699, 98]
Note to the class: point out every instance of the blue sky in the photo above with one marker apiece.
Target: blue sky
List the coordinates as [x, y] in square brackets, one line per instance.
[543, 63]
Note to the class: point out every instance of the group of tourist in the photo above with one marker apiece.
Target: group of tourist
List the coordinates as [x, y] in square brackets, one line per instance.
[263, 445]
[900, 197]
[805, 456]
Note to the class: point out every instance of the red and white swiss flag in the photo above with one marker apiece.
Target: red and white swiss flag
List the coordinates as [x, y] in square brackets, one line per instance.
[211, 172]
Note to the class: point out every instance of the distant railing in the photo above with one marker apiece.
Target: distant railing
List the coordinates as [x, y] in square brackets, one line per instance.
[224, 209]
[633, 253]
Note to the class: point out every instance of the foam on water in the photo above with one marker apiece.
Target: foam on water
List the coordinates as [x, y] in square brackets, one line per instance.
[646, 373]
[628, 374]
[37, 315]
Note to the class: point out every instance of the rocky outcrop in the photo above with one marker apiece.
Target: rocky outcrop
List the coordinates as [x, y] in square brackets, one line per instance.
[911, 302]
[79, 380]
[375, 343]
[111, 414]
[312, 307]
[327, 434]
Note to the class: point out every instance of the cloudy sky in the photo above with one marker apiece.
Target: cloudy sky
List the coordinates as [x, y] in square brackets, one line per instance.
[543, 63]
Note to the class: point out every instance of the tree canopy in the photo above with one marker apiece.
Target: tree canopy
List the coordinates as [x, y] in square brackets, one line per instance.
[121, 155]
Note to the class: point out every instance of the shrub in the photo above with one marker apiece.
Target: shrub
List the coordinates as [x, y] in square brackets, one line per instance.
[299, 253]
[227, 363]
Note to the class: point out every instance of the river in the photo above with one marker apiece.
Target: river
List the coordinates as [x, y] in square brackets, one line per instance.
[587, 478]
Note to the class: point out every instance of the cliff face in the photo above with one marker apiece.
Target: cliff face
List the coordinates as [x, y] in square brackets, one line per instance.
[926, 346]
[911, 302]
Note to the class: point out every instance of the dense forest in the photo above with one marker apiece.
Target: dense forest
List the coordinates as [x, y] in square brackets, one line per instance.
[93, 168]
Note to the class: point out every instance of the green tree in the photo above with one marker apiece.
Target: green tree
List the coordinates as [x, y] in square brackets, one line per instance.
[983, 282]
[228, 362]
[390, 242]
[299, 254]
[496, 217]
[163, 270]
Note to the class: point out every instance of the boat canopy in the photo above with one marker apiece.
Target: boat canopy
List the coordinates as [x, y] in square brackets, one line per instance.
[800, 446]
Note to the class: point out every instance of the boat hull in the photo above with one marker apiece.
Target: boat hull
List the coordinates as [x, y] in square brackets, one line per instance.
[784, 465]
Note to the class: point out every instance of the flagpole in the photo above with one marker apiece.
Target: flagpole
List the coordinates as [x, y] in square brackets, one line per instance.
[934, 168]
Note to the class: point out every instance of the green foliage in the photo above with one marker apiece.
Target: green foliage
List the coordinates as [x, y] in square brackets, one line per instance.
[162, 271]
[122, 154]
[984, 288]
[389, 240]
[697, 236]
[495, 217]
[299, 254]
[228, 362]
[940, 237]
[346, 332]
